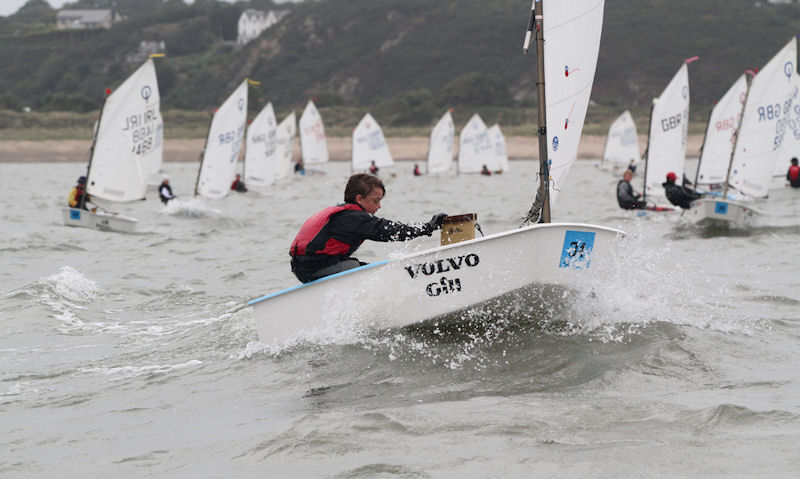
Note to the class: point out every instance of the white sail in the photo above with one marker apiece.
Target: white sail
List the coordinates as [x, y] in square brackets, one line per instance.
[313, 145]
[499, 145]
[721, 134]
[770, 100]
[571, 43]
[669, 122]
[284, 142]
[128, 139]
[622, 143]
[259, 158]
[440, 152]
[223, 144]
[369, 145]
[474, 147]
[791, 141]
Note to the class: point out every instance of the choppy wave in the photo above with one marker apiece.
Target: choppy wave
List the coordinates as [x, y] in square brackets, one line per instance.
[194, 208]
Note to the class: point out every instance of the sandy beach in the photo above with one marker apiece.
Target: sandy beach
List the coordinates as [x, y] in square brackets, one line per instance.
[403, 149]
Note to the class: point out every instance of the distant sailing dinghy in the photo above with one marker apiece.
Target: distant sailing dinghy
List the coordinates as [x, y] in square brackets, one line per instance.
[369, 145]
[260, 149]
[759, 141]
[313, 145]
[127, 143]
[452, 279]
[474, 147]
[223, 145]
[622, 144]
[666, 142]
[500, 151]
[440, 148]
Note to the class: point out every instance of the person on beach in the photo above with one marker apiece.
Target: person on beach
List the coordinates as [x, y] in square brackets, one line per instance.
[238, 184]
[78, 197]
[678, 195]
[165, 191]
[327, 240]
[793, 175]
[626, 197]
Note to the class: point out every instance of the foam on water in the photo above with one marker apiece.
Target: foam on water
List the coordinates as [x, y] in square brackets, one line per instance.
[193, 207]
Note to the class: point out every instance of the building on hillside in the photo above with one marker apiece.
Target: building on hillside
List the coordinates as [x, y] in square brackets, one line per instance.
[86, 19]
[253, 22]
[146, 48]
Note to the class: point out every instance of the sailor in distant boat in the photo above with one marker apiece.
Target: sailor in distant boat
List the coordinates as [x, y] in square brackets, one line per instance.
[416, 170]
[299, 168]
[626, 197]
[678, 195]
[327, 240]
[485, 171]
[78, 197]
[793, 175]
[238, 184]
[373, 168]
[165, 191]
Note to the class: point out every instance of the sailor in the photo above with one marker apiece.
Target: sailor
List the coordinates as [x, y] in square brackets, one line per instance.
[485, 171]
[793, 175]
[373, 168]
[678, 195]
[299, 168]
[238, 184]
[165, 191]
[416, 170]
[327, 240]
[626, 197]
[78, 198]
[632, 166]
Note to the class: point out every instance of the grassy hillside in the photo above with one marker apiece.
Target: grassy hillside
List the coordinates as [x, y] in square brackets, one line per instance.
[404, 60]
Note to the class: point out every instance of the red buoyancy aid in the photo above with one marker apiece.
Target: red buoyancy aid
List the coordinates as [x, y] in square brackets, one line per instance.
[794, 173]
[312, 228]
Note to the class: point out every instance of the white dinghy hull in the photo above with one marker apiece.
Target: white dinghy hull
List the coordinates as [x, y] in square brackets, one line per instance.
[721, 212]
[100, 220]
[427, 285]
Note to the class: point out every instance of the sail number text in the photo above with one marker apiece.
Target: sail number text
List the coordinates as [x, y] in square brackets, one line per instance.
[142, 127]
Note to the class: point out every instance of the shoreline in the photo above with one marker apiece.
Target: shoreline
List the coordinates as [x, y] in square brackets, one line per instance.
[403, 149]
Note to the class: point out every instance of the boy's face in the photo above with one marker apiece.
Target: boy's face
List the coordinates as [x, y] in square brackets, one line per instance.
[372, 202]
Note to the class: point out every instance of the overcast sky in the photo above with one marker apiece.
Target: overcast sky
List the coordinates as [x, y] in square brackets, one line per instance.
[8, 7]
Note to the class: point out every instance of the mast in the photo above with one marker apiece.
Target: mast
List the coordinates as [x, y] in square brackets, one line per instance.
[540, 209]
[203, 155]
[91, 150]
[647, 150]
[702, 147]
[736, 135]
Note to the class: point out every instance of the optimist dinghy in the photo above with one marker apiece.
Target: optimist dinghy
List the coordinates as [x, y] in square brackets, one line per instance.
[456, 277]
[127, 148]
[757, 143]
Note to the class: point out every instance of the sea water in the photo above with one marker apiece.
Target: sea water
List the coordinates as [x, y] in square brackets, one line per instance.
[130, 355]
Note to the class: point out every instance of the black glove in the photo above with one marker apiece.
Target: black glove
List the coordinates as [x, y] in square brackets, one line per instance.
[436, 222]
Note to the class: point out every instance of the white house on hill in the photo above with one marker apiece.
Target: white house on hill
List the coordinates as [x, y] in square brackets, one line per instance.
[253, 22]
[86, 19]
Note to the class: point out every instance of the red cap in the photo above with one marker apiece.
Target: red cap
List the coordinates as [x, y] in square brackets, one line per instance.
[671, 176]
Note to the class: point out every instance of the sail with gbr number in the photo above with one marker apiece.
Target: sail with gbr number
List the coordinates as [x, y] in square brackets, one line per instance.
[440, 151]
[669, 123]
[721, 134]
[223, 146]
[129, 139]
[772, 96]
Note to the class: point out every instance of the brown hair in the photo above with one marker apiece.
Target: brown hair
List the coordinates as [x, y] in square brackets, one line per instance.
[361, 184]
